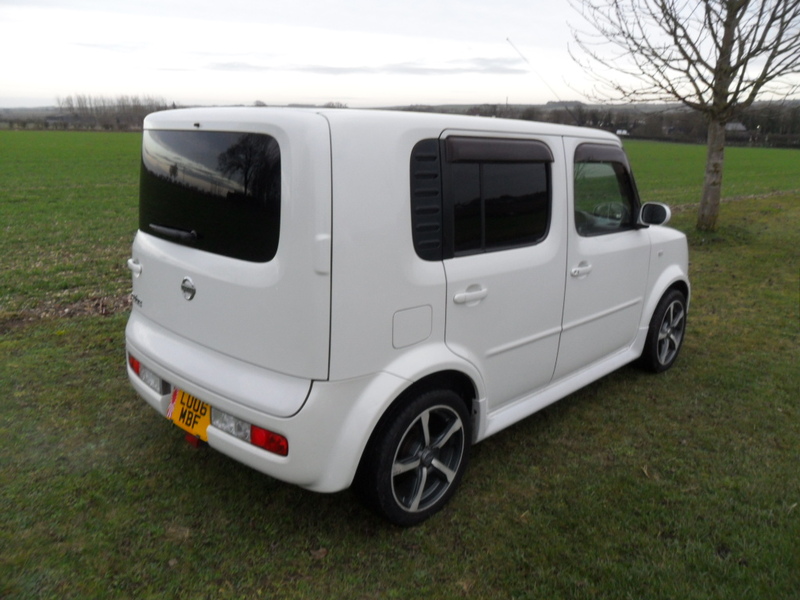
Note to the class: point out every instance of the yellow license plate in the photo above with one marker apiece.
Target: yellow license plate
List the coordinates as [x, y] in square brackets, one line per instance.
[190, 414]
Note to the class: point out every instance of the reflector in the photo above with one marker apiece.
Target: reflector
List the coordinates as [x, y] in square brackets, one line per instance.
[268, 440]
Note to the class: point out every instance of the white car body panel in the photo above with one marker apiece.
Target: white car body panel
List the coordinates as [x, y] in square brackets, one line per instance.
[239, 304]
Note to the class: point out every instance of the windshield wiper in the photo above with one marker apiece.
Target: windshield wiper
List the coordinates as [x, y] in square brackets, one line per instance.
[180, 235]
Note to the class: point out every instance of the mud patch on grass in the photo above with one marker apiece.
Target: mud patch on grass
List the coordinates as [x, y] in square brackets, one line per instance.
[100, 306]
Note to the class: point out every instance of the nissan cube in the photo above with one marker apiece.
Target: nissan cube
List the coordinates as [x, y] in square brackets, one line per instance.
[347, 298]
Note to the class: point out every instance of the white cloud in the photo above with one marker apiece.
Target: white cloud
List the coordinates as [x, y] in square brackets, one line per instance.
[363, 52]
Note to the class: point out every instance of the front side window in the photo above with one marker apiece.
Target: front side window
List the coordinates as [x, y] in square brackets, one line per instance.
[215, 191]
[605, 197]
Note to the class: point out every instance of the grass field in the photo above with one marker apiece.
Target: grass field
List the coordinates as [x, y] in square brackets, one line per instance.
[673, 173]
[68, 213]
[683, 485]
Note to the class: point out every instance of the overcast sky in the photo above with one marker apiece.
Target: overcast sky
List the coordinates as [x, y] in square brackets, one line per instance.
[358, 52]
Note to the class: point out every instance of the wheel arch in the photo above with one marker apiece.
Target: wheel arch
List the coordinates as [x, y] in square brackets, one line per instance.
[679, 284]
[456, 381]
[672, 279]
[427, 479]
[666, 331]
[682, 287]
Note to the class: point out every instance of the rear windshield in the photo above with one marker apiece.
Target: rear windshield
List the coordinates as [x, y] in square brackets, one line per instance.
[214, 191]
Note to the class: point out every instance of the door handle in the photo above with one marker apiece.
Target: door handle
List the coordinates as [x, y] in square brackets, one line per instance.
[472, 295]
[581, 270]
[134, 266]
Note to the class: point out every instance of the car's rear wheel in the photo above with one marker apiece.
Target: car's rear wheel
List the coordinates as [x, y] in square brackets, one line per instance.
[666, 333]
[417, 458]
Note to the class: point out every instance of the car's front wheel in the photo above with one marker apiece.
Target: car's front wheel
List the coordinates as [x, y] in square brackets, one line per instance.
[666, 333]
[416, 459]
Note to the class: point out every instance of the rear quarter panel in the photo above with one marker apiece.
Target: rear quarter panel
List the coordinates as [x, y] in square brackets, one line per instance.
[378, 279]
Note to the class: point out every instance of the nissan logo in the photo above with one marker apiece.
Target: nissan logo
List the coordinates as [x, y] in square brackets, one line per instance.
[188, 289]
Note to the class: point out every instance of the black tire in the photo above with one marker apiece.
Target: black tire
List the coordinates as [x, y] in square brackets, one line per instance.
[416, 458]
[666, 333]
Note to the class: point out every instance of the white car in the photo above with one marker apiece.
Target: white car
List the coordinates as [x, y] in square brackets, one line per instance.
[344, 297]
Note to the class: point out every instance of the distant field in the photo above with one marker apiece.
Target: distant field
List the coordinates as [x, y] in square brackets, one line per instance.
[673, 173]
[68, 212]
[678, 486]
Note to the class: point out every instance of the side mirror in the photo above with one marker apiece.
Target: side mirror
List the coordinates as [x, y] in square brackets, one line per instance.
[654, 213]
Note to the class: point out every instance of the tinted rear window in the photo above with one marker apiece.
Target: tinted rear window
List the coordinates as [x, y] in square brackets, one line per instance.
[215, 191]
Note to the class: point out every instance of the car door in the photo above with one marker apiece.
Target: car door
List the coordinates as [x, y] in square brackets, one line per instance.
[505, 259]
[608, 258]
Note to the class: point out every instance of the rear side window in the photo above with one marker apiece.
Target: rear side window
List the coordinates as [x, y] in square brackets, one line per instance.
[475, 195]
[215, 191]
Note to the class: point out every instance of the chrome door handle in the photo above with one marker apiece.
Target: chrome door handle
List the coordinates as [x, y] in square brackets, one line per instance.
[472, 295]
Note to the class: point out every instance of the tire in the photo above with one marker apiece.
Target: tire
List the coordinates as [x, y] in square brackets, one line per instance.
[666, 333]
[416, 458]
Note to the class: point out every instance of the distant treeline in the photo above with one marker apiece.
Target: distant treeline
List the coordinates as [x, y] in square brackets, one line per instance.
[775, 124]
[763, 124]
[99, 112]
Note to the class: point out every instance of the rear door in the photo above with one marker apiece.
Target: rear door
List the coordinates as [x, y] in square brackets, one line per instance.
[608, 258]
[505, 259]
[234, 245]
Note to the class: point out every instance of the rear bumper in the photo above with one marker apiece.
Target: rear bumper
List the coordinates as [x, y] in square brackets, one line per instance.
[326, 435]
[212, 375]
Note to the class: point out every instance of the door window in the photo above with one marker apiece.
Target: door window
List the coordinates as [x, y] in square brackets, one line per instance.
[605, 197]
[499, 191]
[498, 206]
[483, 195]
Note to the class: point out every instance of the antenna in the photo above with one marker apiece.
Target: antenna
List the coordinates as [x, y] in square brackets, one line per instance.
[535, 72]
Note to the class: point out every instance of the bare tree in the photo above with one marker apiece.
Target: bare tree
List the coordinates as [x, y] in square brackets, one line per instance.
[253, 159]
[714, 56]
[124, 112]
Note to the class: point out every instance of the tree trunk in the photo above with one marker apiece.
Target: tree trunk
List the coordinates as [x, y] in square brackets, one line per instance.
[712, 186]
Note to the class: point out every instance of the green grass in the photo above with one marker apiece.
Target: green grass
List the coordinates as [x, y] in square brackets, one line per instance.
[68, 215]
[673, 173]
[682, 485]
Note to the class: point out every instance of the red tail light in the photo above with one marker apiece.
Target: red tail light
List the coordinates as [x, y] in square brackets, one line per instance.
[135, 364]
[268, 440]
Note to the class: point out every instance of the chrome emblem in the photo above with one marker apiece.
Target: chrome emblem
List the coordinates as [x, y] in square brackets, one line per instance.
[188, 289]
